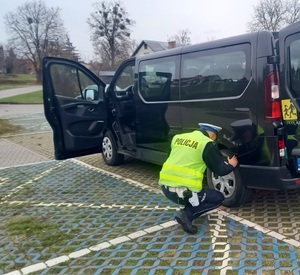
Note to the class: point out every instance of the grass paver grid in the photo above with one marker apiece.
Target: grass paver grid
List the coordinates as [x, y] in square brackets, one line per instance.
[170, 252]
[28, 123]
[89, 213]
[278, 211]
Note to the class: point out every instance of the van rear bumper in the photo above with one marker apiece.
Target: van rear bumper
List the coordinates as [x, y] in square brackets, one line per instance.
[271, 178]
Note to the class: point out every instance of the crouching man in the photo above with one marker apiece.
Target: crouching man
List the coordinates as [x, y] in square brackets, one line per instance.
[182, 174]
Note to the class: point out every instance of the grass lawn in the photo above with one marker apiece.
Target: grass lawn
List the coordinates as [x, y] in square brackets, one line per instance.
[10, 81]
[29, 98]
[8, 128]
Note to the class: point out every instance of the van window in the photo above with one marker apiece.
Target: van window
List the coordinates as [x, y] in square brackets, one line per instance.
[157, 79]
[295, 67]
[215, 73]
[68, 81]
[125, 79]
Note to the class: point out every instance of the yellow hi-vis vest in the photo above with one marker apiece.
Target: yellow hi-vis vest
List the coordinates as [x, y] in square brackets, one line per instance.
[185, 166]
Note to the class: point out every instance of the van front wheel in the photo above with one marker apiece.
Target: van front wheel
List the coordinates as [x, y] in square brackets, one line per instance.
[229, 185]
[109, 150]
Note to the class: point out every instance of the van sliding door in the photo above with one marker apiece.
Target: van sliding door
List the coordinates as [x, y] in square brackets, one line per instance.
[157, 103]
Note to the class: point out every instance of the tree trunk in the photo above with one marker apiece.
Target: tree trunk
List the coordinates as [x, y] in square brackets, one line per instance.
[39, 75]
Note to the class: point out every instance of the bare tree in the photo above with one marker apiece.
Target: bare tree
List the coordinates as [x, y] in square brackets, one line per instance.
[294, 11]
[110, 31]
[33, 30]
[272, 15]
[123, 51]
[182, 37]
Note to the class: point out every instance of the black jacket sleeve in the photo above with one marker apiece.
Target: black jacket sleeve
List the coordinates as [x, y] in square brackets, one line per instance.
[215, 161]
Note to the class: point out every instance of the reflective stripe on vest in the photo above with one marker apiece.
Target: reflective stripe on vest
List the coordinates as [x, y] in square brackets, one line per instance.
[171, 175]
[183, 170]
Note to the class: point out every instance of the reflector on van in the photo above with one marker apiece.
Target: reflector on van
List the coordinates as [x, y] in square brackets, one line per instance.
[281, 145]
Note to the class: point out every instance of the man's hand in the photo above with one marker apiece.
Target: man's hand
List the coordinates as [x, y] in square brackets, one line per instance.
[233, 161]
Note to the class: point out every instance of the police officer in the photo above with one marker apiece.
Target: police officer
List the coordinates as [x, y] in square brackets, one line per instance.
[182, 174]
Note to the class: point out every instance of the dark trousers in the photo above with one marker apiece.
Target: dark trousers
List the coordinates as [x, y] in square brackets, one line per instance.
[209, 199]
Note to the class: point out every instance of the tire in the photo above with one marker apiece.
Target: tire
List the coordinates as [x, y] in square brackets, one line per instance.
[110, 153]
[231, 186]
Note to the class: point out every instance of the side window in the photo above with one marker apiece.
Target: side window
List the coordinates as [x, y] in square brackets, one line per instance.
[69, 81]
[158, 79]
[215, 73]
[125, 79]
[295, 67]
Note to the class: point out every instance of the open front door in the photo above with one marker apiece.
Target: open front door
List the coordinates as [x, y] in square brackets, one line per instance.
[75, 107]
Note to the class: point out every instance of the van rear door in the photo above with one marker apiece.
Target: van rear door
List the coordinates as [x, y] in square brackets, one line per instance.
[289, 49]
[75, 107]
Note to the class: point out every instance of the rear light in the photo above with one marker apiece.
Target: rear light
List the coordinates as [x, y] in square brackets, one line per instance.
[273, 107]
[272, 98]
[281, 146]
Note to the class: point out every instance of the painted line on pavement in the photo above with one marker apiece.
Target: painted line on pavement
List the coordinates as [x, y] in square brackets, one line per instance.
[91, 205]
[41, 175]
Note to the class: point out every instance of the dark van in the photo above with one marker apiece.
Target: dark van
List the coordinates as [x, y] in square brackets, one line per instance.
[248, 84]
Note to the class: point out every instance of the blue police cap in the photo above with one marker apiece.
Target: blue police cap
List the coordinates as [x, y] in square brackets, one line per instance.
[209, 127]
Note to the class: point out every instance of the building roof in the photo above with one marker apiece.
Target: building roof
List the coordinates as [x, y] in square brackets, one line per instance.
[155, 46]
[106, 73]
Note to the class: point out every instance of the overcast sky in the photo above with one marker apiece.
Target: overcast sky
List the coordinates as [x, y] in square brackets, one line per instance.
[155, 20]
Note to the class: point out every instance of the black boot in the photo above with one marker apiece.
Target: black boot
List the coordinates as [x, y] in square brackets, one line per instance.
[187, 225]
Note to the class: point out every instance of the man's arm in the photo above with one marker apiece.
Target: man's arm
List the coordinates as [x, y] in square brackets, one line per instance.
[216, 162]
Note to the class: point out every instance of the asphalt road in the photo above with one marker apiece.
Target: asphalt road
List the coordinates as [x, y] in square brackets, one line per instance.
[12, 109]
[19, 91]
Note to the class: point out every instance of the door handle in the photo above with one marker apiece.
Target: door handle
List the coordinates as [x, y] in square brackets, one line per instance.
[91, 110]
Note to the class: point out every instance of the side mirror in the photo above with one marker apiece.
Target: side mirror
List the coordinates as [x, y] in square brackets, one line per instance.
[90, 94]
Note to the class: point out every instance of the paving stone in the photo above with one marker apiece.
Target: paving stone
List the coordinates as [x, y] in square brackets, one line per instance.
[13, 154]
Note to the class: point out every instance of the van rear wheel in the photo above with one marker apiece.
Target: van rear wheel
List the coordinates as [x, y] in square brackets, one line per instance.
[110, 153]
[231, 186]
